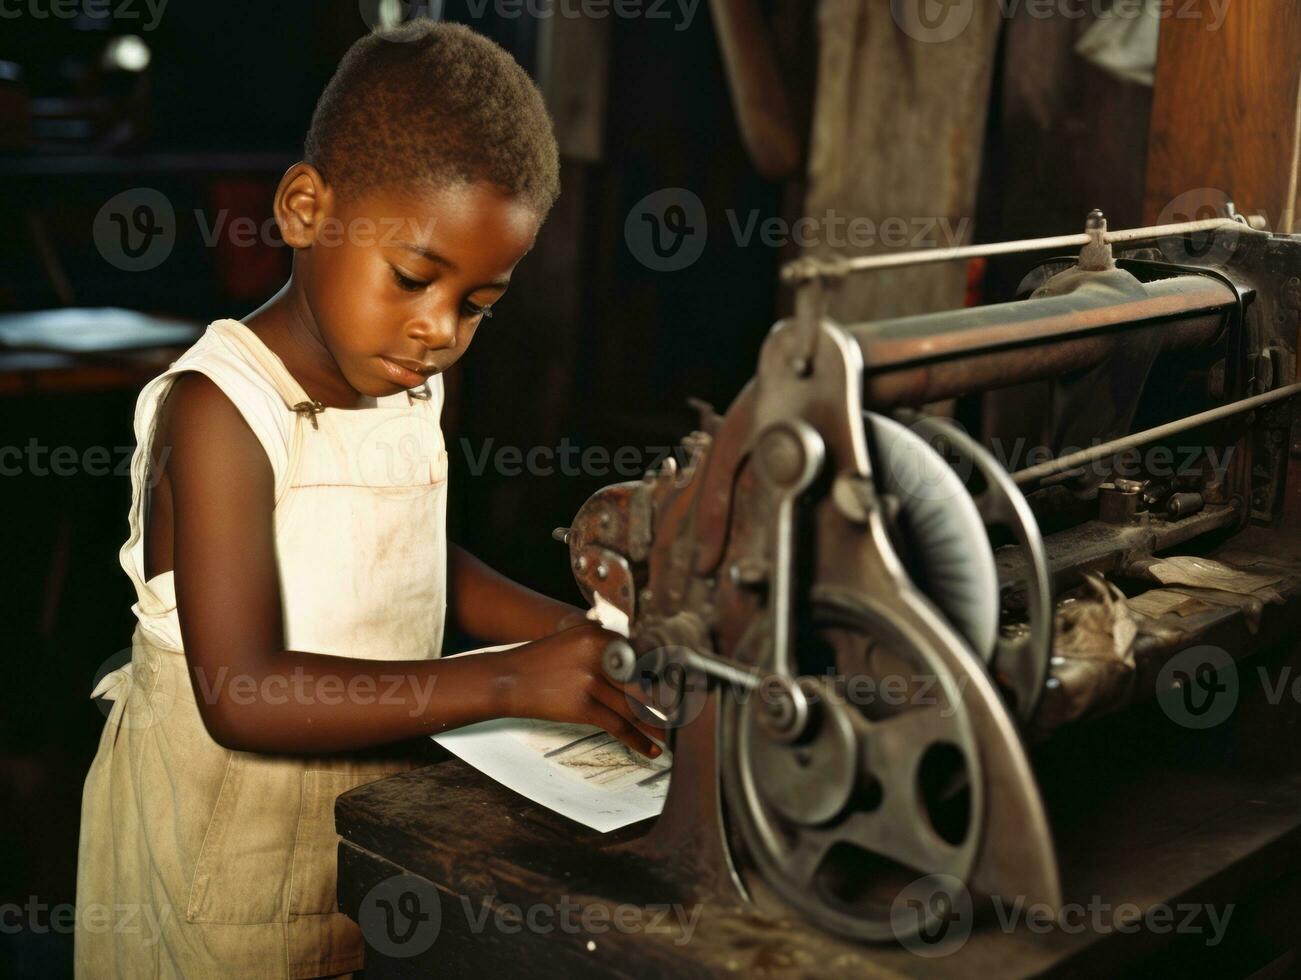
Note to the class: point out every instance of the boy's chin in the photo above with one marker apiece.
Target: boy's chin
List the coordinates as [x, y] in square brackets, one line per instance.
[374, 387]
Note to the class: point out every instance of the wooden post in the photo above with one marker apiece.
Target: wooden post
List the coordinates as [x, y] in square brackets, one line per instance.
[1226, 118]
[1226, 123]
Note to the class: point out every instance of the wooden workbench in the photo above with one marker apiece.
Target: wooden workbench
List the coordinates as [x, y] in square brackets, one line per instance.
[1143, 813]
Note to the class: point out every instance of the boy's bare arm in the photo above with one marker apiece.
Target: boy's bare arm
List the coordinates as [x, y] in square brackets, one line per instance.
[493, 608]
[254, 695]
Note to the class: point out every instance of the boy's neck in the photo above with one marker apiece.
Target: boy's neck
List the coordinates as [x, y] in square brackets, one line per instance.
[285, 324]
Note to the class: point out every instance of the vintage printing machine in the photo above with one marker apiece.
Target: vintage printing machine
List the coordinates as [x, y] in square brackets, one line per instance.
[863, 629]
[815, 538]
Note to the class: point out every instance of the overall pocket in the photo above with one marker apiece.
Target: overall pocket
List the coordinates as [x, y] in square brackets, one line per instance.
[242, 866]
[270, 848]
[314, 869]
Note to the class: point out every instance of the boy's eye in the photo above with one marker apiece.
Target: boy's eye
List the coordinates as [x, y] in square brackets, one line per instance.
[406, 282]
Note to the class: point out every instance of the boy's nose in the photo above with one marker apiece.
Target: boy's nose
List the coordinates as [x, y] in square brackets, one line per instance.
[436, 332]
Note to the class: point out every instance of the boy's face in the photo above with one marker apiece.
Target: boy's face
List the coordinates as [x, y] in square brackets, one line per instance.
[397, 281]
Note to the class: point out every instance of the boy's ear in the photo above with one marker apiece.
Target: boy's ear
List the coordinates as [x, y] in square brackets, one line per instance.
[301, 205]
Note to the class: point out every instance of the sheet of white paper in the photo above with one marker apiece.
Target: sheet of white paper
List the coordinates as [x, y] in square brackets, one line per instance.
[578, 771]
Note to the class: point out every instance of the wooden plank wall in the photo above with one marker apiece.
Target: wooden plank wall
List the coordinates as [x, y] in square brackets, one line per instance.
[1225, 115]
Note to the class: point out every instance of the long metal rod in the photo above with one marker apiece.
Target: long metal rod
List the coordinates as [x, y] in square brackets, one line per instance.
[804, 269]
[1033, 474]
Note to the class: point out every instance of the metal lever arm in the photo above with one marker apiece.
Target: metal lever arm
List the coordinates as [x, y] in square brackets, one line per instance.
[621, 665]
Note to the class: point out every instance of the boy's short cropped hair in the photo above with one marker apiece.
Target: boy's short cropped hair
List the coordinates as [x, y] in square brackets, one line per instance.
[430, 104]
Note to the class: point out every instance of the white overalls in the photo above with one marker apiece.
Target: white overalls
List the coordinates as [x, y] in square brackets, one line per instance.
[225, 861]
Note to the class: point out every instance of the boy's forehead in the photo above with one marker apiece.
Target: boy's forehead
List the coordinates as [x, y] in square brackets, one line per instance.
[460, 215]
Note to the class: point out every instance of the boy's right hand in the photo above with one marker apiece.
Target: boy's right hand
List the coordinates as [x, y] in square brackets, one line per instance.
[560, 678]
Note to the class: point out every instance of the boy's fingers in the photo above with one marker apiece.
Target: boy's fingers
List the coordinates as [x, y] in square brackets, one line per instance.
[622, 729]
[641, 703]
[621, 704]
[651, 693]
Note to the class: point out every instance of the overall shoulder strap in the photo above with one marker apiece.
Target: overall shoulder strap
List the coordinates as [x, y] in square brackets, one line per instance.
[240, 337]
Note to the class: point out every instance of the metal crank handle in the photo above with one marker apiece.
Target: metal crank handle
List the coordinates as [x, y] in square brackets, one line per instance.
[785, 703]
[620, 664]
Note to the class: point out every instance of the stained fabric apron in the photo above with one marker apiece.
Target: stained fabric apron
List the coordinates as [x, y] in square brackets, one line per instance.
[225, 861]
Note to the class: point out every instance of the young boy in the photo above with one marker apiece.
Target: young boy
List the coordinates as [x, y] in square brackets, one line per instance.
[289, 553]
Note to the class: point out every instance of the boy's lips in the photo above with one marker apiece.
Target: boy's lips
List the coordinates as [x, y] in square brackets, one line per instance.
[407, 373]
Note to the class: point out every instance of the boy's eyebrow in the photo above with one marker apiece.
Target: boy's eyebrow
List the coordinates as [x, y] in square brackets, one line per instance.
[437, 259]
[427, 253]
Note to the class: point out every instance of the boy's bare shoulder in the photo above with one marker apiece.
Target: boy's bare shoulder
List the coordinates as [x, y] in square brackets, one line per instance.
[198, 420]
